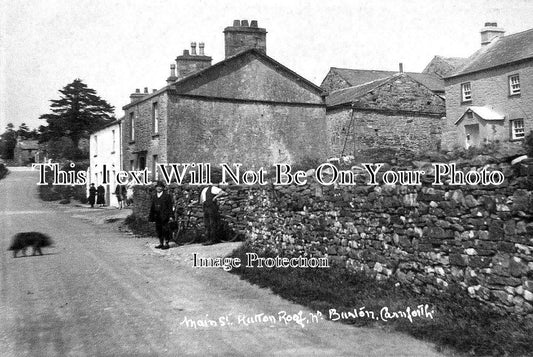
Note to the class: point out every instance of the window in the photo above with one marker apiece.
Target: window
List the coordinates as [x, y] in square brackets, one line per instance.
[132, 165]
[514, 84]
[113, 135]
[132, 126]
[517, 129]
[154, 168]
[155, 118]
[466, 92]
[95, 145]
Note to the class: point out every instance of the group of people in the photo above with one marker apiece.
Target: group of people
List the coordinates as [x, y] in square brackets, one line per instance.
[124, 195]
[161, 212]
[96, 195]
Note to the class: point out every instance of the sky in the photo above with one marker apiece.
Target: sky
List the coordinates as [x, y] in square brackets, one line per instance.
[116, 46]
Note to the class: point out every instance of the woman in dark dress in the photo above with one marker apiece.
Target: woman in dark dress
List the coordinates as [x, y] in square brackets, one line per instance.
[100, 196]
[92, 195]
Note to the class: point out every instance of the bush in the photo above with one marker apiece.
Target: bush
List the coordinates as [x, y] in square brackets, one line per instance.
[52, 192]
[528, 144]
[3, 171]
[140, 226]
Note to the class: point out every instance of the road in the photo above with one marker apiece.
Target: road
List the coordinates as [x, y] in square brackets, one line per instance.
[100, 292]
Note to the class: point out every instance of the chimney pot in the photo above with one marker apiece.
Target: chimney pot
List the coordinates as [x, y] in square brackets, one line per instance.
[201, 46]
[137, 90]
[253, 23]
[400, 65]
[236, 23]
[145, 90]
[244, 23]
[193, 48]
[154, 90]
[185, 52]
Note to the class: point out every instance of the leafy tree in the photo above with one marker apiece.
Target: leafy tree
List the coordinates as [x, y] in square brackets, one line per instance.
[8, 141]
[23, 131]
[77, 113]
[528, 144]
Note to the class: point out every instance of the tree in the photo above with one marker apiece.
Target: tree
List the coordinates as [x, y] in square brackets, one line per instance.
[76, 114]
[23, 131]
[8, 141]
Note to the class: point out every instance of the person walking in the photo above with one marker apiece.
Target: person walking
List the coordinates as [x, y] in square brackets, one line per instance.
[161, 213]
[120, 192]
[100, 195]
[208, 199]
[129, 193]
[92, 195]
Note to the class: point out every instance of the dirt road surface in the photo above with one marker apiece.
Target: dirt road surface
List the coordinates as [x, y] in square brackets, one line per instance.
[100, 292]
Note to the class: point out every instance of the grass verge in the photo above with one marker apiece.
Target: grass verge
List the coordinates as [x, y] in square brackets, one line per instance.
[459, 323]
[140, 226]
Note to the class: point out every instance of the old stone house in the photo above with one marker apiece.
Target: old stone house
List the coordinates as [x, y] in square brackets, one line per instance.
[247, 108]
[382, 109]
[25, 151]
[490, 97]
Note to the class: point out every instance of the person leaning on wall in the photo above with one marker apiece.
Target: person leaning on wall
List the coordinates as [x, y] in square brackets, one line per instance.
[209, 200]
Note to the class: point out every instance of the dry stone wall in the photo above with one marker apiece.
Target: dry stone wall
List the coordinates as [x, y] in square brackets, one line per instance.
[428, 237]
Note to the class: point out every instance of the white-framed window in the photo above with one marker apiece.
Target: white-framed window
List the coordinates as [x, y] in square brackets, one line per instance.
[517, 129]
[514, 84]
[466, 92]
[132, 126]
[155, 118]
[113, 135]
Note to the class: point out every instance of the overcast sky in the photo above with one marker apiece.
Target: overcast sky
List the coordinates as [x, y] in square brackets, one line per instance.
[117, 46]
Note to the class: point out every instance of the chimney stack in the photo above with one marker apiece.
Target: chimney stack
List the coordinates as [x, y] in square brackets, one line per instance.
[188, 64]
[400, 65]
[243, 36]
[172, 78]
[490, 32]
[136, 96]
[145, 90]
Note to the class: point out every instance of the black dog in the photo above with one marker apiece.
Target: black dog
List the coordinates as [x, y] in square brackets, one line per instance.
[26, 239]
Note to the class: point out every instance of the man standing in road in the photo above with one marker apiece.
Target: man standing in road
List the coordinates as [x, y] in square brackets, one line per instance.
[160, 213]
[208, 199]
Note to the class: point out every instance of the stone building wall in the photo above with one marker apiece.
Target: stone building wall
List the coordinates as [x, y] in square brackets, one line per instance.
[372, 129]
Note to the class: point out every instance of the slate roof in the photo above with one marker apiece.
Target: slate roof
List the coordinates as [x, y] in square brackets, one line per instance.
[483, 112]
[204, 72]
[442, 66]
[347, 95]
[355, 77]
[501, 51]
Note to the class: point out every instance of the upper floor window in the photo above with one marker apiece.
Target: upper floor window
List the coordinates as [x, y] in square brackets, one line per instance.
[155, 118]
[517, 129]
[132, 126]
[466, 92]
[514, 84]
[95, 145]
[113, 136]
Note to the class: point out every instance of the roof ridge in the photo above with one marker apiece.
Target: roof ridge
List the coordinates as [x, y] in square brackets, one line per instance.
[367, 83]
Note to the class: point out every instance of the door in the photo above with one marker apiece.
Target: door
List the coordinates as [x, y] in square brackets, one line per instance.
[471, 135]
